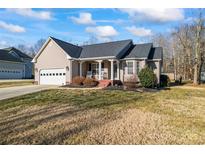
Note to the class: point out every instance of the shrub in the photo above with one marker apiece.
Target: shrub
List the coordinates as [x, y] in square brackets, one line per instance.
[147, 77]
[78, 80]
[90, 82]
[164, 80]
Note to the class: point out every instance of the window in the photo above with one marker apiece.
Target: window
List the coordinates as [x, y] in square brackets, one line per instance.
[63, 73]
[60, 74]
[56, 74]
[50, 74]
[53, 74]
[137, 67]
[129, 67]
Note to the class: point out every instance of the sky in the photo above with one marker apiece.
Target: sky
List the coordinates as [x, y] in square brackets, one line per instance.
[27, 26]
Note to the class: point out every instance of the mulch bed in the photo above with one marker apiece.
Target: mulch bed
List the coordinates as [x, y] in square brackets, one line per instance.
[77, 86]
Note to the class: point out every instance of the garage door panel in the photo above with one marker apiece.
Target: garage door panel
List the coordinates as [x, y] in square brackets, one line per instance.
[6, 73]
[53, 77]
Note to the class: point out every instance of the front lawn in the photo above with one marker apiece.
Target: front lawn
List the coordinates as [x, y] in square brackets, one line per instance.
[175, 116]
[15, 83]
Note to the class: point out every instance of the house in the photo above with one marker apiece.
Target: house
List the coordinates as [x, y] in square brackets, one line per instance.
[203, 73]
[58, 61]
[15, 64]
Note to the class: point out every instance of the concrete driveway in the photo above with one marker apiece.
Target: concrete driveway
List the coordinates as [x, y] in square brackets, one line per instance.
[21, 90]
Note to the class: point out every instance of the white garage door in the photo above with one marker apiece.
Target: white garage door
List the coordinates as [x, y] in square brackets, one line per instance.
[11, 73]
[53, 77]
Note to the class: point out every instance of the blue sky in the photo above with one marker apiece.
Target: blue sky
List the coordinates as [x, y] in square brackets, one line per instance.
[26, 26]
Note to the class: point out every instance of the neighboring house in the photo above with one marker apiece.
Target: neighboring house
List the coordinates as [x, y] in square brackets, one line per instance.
[15, 64]
[58, 62]
[203, 73]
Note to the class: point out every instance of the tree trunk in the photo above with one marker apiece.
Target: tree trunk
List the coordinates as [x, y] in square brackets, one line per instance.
[175, 69]
[198, 54]
[196, 74]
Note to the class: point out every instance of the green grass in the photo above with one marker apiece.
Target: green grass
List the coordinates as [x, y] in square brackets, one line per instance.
[183, 109]
[15, 83]
[111, 99]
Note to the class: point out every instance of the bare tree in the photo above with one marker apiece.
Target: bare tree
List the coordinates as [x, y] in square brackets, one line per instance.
[31, 50]
[198, 51]
[92, 40]
[37, 46]
[183, 37]
[165, 42]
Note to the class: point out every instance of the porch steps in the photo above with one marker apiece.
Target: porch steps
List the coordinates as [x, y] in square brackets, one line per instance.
[104, 83]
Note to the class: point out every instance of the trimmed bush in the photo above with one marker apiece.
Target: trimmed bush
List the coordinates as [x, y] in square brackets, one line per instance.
[78, 80]
[90, 82]
[164, 81]
[147, 77]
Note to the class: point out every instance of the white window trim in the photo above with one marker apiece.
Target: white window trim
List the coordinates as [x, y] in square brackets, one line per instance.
[137, 67]
[128, 67]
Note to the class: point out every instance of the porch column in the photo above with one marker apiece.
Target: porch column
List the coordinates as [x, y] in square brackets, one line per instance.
[118, 70]
[81, 64]
[100, 69]
[112, 69]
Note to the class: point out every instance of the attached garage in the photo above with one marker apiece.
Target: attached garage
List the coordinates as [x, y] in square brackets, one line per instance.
[7, 73]
[11, 67]
[52, 77]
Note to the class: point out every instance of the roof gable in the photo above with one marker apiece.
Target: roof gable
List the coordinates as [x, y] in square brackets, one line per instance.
[6, 56]
[17, 52]
[110, 49]
[54, 41]
[156, 53]
[72, 50]
[140, 51]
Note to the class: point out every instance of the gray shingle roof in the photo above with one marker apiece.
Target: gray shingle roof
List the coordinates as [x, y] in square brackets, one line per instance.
[18, 52]
[140, 51]
[72, 50]
[6, 56]
[156, 53]
[118, 49]
[113, 49]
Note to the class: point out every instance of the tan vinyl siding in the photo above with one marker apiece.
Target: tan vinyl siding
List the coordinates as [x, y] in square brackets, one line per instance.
[76, 70]
[52, 57]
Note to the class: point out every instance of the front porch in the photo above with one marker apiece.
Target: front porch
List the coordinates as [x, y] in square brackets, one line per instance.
[100, 69]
